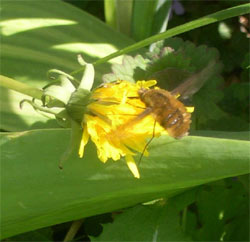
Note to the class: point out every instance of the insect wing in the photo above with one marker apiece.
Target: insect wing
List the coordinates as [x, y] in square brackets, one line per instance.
[194, 83]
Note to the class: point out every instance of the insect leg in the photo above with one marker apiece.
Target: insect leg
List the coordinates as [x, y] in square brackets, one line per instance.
[153, 135]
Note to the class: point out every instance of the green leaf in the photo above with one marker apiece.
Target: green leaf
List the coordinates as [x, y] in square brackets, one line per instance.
[223, 212]
[110, 13]
[209, 19]
[51, 37]
[118, 15]
[128, 70]
[207, 112]
[143, 16]
[20, 87]
[222, 134]
[15, 118]
[161, 17]
[36, 193]
[169, 64]
[236, 99]
[44, 234]
[158, 222]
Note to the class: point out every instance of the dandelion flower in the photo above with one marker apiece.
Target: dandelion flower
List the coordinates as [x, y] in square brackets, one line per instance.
[112, 125]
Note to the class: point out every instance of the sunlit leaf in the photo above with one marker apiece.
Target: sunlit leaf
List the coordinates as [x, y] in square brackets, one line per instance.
[50, 38]
[36, 193]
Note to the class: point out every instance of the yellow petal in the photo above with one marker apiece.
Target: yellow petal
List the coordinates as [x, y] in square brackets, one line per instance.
[146, 84]
[190, 109]
[114, 124]
[84, 141]
[132, 166]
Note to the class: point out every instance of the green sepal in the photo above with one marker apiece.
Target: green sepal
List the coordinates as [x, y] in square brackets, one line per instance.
[60, 74]
[55, 111]
[65, 97]
[77, 105]
[51, 102]
[87, 78]
[58, 94]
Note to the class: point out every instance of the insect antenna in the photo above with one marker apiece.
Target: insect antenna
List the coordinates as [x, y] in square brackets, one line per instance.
[146, 146]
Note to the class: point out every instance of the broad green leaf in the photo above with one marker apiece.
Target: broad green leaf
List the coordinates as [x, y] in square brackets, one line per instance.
[118, 14]
[161, 17]
[15, 118]
[157, 222]
[110, 13]
[222, 134]
[37, 36]
[143, 17]
[36, 193]
[44, 234]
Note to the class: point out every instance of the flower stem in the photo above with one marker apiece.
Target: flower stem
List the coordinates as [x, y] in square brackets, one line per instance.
[75, 226]
[20, 87]
[209, 19]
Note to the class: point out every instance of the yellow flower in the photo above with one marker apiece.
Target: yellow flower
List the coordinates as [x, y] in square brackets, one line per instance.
[112, 125]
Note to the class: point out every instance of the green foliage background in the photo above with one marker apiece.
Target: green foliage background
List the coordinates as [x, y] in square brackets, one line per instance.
[199, 184]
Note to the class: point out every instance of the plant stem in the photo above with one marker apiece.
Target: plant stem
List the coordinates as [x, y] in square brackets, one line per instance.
[209, 19]
[20, 87]
[75, 226]
[184, 219]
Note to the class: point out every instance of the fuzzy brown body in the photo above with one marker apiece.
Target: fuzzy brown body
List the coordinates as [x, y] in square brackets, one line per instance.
[169, 112]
